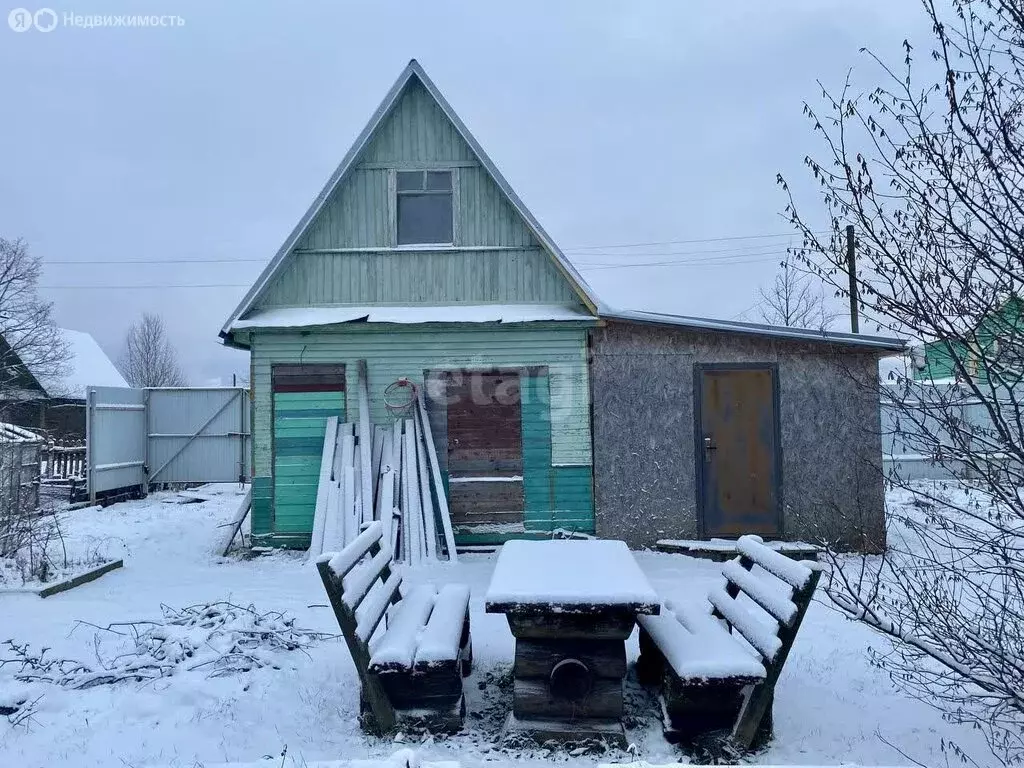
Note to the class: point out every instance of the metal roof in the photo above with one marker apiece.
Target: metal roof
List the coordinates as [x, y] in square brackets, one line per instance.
[412, 70]
[756, 329]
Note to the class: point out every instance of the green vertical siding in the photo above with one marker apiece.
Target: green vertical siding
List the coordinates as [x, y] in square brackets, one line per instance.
[262, 521]
[519, 275]
[418, 130]
[359, 215]
[299, 424]
[556, 497]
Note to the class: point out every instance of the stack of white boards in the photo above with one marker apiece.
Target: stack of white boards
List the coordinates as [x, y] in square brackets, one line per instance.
[382, 472]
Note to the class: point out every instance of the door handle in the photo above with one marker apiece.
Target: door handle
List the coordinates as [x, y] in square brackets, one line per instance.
[709, 446]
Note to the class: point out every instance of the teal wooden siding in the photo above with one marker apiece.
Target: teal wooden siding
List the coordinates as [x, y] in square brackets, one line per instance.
[511, 268]
[556, 496]
[299, 423]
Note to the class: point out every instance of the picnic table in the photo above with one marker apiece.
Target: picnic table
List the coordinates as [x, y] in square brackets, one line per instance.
[570, 606]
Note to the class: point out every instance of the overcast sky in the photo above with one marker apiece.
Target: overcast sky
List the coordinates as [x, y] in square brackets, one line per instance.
[617, 123]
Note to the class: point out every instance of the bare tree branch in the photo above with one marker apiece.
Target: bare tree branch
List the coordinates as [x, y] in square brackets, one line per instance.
[796, 300]
[929, 168]
[149, 359]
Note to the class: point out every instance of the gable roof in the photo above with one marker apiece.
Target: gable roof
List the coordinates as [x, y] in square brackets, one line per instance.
[412, 70]
[88, 366]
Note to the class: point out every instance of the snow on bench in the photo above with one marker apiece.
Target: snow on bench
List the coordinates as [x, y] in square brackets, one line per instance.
[411, 671]
[698, 647]
[760, 607]
[442, 637]
[398, 645]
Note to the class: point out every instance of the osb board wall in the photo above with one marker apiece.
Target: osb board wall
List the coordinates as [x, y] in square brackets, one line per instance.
[643, 426]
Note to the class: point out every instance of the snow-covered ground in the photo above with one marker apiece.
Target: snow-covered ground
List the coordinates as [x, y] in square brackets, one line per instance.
[831, 705]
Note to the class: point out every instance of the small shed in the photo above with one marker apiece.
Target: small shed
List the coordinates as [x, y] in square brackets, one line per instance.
[709, 428]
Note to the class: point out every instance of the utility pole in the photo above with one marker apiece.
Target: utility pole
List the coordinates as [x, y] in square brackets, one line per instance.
[851, 269]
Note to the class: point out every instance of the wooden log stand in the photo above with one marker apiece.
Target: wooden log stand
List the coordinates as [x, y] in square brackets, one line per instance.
[570, 607]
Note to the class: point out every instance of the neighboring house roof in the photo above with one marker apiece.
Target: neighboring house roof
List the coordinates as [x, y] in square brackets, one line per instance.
[88, 366]
[300, 317]
[11, 433]
[756, 329]
[412, 70]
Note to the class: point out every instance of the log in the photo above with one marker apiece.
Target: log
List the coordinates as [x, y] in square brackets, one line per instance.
[533, 699]
[536, 658]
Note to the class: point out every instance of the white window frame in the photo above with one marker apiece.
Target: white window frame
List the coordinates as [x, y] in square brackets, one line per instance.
[393, 209]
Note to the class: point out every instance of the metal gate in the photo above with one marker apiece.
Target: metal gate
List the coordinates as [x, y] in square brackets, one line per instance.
[137, 437]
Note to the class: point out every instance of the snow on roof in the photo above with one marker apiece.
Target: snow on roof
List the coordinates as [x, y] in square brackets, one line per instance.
[564, 575]
[298, 317]
[11, 433]
[756, 329]
[88, 366]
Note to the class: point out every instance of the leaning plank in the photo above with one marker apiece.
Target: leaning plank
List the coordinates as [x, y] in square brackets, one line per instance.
[426, 503]
[316, 541]
[413, 496]
[387, 500]
[82, 578]
[378, 452]
[348, 504]
[435, 471]
[365, 445]
[236, 524]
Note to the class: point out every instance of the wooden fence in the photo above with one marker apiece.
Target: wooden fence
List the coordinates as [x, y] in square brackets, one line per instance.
[62, 462]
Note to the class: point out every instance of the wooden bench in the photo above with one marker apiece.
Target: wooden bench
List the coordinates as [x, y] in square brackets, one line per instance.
[411, 649]
[717, 664]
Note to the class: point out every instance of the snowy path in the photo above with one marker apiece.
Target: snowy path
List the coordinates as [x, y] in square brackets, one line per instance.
[830, 704]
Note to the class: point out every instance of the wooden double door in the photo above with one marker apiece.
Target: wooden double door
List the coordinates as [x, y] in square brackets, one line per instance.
[738, 461]
[483, 430]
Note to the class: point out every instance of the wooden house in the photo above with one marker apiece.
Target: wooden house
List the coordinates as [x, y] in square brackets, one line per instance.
[994, 344]
[52, 404]
[418, 257]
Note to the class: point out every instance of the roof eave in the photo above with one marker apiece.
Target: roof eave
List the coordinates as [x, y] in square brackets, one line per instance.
[881, 343]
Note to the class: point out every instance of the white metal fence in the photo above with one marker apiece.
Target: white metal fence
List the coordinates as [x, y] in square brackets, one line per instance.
[913, 442]
[138, 437]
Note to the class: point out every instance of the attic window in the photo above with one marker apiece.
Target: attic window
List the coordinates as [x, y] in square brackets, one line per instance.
[424, 207]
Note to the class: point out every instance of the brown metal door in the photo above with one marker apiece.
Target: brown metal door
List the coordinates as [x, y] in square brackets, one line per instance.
[485, 447]
[737, 450]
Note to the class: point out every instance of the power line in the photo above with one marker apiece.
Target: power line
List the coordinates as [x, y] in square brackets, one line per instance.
[686, 242]
[696, 263]
[139, 287]
[593, 251]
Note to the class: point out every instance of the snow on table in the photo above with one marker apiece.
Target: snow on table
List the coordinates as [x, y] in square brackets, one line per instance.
[568, 576]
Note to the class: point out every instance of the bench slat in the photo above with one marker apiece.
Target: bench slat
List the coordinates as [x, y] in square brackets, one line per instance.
[398, 645]
[363, 576]
[754, 632]
[794, 573]
[376, 605]
[440, 641]
[708, 654]
[344, 561]
[780, 607]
